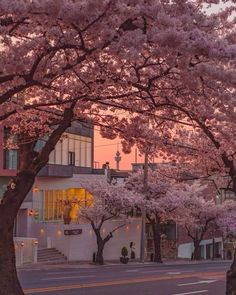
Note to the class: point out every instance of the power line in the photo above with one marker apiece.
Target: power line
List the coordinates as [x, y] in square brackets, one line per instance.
[105, 145]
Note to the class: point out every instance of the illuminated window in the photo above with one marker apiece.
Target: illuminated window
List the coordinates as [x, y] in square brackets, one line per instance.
[58, 204]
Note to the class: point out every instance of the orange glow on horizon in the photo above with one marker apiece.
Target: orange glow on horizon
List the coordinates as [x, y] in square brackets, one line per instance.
[105, 151]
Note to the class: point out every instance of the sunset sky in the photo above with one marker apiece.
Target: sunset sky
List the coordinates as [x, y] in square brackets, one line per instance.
[105, 150]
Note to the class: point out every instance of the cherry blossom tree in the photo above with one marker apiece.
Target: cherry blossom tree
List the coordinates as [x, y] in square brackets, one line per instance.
[64, 60]
[200, 218]
[195, 95]
[55, 69]
[202, 215]
[162, 199]
[110, 202]
[227, 221]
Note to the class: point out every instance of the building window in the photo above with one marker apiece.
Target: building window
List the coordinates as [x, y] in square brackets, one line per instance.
[71, 158]
[11, 159]
[57, 204]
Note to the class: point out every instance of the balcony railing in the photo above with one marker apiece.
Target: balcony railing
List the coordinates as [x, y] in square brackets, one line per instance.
[55, 170]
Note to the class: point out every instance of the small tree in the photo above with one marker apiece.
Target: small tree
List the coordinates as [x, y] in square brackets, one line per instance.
[109, 202]
[124, 255]
[124, 252]
[201, 215]
[162, 199]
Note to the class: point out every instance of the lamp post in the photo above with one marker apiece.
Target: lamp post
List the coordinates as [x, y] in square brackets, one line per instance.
[143, 225]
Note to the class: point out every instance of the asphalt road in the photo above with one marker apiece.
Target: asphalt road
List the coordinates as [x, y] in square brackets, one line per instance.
[139, 279]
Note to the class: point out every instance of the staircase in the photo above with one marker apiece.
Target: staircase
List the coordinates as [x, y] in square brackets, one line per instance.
[51, 255]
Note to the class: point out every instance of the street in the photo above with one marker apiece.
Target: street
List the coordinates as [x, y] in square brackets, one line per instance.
[138, 279]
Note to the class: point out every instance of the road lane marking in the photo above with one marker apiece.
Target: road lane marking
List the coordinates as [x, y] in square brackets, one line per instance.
[132, 270]
[218, 277]
[197, 283]
[192, 292]
[68, 278]
[174, 273]
[63, 272]
[114, 283]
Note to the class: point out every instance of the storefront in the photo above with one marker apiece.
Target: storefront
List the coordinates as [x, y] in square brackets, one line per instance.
[61, 205]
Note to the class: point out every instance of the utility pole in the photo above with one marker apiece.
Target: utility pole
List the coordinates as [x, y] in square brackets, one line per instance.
[143, 226]
[136, 156]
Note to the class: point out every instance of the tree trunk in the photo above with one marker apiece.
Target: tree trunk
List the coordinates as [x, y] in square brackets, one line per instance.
[9, 283]
[231, 278]
[31, 163]
[99, 255]
[11, 202]
[101, 242]
[156, 228]
[197, 250]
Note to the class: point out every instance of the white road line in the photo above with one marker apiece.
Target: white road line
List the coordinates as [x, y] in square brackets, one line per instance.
[193, 292]
[197, 283]
[174, 273]
[63, 272]
[132, 270]
[67, 278]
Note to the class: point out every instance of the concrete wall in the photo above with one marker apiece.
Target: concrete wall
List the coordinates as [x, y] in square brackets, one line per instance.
[23, 223]
[185, 250]
[26, 250]
[54, 183]
[81, 247]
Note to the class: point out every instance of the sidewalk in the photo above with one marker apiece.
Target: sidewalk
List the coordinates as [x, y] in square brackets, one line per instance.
[89, 264]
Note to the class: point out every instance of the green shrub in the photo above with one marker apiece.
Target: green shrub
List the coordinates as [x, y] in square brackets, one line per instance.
[124, 252]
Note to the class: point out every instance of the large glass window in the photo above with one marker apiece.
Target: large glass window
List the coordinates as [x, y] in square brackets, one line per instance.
[73, 150]
[60, 204]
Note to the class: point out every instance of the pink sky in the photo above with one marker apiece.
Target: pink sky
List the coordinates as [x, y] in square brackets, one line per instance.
[105, 150]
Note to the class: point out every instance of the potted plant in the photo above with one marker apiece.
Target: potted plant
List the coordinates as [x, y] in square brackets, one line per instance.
[124, 252]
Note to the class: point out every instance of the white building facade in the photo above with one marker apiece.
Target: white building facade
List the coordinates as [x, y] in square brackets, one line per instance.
[51, 209]
[48, 222]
